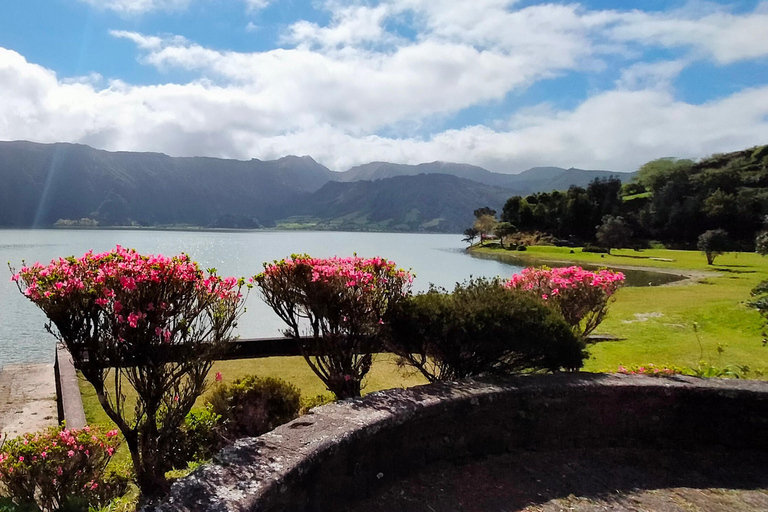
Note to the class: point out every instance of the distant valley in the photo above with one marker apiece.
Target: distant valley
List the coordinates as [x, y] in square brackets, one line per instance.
[45, 185]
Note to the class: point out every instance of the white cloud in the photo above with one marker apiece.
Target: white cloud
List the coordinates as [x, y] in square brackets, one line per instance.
[719, 34]
[342, 84]
[136, 7]
[651, 75]
[616, 130]
[131, 7]
[256, 5]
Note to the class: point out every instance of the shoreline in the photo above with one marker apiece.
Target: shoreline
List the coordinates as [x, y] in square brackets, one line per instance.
[689, 276]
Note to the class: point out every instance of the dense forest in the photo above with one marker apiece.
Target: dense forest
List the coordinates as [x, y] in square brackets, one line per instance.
[669, 200]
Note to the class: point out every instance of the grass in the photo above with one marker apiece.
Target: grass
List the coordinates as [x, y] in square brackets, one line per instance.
[705, 319]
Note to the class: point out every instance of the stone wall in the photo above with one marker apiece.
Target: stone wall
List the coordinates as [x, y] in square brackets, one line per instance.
[341, 452]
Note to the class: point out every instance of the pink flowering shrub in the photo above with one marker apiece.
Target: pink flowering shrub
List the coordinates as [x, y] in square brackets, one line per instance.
[61, 469]
[123, 315]
[652, 370]
[341, 304]
[581, 296]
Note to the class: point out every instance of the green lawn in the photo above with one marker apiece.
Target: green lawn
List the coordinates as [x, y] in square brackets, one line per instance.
[658, 322]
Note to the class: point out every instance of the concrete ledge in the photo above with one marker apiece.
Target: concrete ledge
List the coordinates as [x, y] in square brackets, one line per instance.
[68, 398]
[342, 452]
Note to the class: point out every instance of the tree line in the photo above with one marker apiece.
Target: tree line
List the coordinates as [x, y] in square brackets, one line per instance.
[670, 200]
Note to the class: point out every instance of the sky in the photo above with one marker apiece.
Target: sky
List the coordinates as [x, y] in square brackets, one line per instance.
[503, 84]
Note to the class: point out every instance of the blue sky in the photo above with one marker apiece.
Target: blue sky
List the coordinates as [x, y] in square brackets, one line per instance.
[503, 84]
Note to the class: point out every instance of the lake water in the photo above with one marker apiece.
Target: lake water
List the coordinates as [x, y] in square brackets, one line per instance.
[435, 259]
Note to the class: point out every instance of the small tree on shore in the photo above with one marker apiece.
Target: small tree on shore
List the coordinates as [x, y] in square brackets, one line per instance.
[121, 314]
[469, 235]
[613, 233]
[714, 243]
[340, 303]
[503, 229]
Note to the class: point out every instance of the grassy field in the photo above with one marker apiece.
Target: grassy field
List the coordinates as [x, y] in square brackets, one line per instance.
[703, 319]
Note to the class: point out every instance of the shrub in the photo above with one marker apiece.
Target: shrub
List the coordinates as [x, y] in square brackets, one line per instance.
[594, 249]
[481, 328]
[254, 405]
[713, 243]
[340, 303]
[61, 469]
[761, 243]
[196, 441]
[522, 248]
[309, 403]
[120, 314]
[581, 296]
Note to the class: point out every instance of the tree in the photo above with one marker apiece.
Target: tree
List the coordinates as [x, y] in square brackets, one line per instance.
[714, 243]
[469, 235]
[485, 210]
[485, 224]
[120, 315]
[503, 229]
[613, 233]
[340, 303]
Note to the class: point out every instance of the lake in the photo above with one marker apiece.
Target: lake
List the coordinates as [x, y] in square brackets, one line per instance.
[437, 259]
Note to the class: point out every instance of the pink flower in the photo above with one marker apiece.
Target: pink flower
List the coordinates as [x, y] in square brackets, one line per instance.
[218, 377]
[71, 453]
[21, 458]
[44, 454]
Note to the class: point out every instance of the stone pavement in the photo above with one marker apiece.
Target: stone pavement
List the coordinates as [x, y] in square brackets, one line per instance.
[27, 398]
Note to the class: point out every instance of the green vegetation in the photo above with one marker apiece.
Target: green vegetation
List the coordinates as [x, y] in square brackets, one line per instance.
[670, 200]
[482, 328]
[703, 319]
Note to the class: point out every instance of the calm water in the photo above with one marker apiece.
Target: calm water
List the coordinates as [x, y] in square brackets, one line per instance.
[434, 258]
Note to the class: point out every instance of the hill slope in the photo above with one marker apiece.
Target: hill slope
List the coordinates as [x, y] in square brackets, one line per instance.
[42, 183]
[425, 202]
[537, 179]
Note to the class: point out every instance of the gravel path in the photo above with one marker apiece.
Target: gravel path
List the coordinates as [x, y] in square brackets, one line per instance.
[27, 398]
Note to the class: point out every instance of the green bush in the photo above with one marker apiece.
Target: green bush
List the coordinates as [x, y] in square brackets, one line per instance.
[197, 440]
[254, 405]
[595, 248]
[481, 328]
[311, 402]
[60, 469]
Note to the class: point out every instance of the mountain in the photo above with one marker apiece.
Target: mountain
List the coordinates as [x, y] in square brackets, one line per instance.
[43, 183]
[425, 202]
[537, 179]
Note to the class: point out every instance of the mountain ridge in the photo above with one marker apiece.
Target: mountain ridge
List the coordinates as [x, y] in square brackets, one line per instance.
[73, 183]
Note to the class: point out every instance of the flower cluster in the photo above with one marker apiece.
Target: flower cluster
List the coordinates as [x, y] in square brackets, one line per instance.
[652, 370]
[125, 287]
[366, 273]
[54, 467]
[581, 295]
[341, 302]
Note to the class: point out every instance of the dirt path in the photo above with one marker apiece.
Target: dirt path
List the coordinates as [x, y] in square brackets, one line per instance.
[27, 398]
